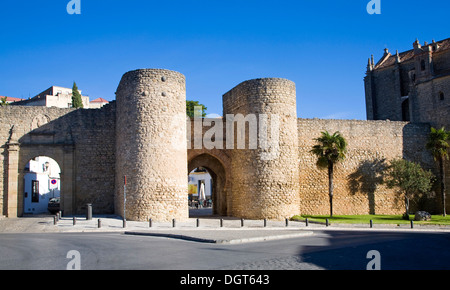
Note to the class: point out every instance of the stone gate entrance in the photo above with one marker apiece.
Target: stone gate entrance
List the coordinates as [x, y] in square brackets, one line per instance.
[145, 136]
[221, 186]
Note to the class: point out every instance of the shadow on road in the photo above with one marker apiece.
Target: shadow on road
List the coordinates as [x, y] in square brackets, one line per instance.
[398, 251]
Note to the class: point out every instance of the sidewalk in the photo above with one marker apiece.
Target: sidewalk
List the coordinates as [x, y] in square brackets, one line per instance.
[209, 229]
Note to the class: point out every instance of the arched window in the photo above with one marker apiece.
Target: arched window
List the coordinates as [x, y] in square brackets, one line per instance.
[441, 96]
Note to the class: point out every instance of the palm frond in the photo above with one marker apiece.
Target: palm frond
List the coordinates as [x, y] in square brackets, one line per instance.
[438, 143]
[330, 148]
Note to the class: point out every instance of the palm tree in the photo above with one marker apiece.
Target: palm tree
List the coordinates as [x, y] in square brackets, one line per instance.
[438, 144]
[330, 150]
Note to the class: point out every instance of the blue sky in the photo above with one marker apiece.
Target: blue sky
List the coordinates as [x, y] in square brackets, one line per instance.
[322, 46]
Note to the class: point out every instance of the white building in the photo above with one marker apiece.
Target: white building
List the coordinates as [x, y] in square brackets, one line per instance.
[60, 97]
[41, 183]
[97, 103]
[196, 177]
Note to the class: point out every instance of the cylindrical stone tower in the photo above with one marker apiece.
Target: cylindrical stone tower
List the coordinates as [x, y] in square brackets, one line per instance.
[265, 179]
[151, 148]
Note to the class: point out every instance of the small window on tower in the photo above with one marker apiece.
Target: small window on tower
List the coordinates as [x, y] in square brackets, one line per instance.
[441, 96]
[422, 65]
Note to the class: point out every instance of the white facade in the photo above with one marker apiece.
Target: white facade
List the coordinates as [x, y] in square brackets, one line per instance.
[97, 103]
[55, 96]
[41, 183]
[195, 179]
[62, 98]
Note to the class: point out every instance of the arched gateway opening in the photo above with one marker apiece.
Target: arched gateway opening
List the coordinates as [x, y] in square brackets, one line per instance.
[200, 187]
[46, 170]
[217, 172]
[42, 186]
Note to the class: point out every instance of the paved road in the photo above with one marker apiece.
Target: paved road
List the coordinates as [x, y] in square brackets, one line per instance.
[322, 250]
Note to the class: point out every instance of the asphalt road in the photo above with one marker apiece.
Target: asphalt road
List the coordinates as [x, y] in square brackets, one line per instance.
[334, 250]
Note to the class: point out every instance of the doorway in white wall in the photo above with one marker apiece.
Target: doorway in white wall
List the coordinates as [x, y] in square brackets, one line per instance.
[200, 192]
[42, 186]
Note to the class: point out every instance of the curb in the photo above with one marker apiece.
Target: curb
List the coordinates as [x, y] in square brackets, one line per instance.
[265, 238]
[224, 241]
[173, 236]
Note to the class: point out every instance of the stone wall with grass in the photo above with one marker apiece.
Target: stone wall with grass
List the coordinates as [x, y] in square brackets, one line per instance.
[357, 180]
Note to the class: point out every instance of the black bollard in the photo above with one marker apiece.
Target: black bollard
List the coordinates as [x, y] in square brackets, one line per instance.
[198, 222]
[149, 223]
[371, 224]
[412, 224]
[173, 223]
[287, 222]
[327, 223]
[74, 220]
[265, 222]
[242, 222]
[99, 223]
[306, 222]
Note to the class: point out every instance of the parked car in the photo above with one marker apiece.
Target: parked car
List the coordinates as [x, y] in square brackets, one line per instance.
[53, 205]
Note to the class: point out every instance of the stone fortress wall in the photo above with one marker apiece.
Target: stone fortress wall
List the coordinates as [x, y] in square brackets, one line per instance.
[357, 180]
[151, 154]
[265, 181]
[143, 135]
[81, 141]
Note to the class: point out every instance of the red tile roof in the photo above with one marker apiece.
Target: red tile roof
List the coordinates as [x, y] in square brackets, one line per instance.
[99, 100]
[11, 99]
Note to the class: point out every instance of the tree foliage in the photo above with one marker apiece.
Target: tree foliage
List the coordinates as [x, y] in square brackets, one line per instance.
[3, 102]
[76, 97]
[438, 144]
[331, 149]
[410, 178]
[191, 106]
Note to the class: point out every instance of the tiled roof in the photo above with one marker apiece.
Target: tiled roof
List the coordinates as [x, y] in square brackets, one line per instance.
[408, 55]
[11, 99]
[99, 100]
